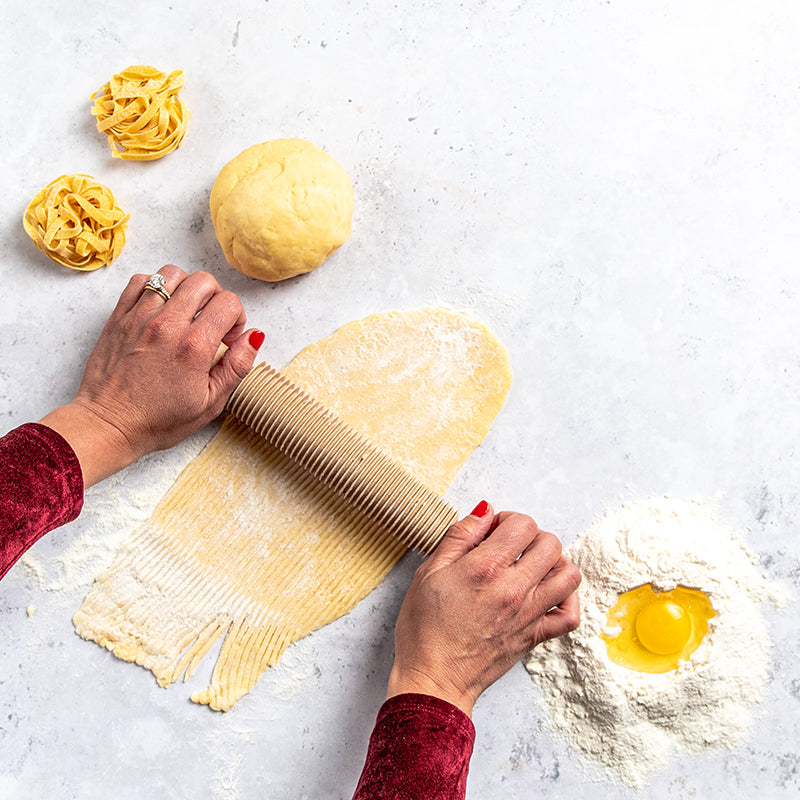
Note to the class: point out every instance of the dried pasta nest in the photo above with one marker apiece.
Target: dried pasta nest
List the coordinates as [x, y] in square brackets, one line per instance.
[141, 113]
[76, 222]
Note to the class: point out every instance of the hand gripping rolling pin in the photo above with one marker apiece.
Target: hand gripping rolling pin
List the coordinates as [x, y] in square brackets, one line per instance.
[341, 458]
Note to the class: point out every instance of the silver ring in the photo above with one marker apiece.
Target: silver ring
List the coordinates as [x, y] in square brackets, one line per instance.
[156, 283]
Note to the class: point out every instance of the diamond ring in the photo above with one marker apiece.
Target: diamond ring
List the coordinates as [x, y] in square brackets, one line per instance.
[156, 283]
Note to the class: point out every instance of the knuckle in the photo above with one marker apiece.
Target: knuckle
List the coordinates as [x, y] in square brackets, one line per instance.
[572, 619]
[458, 531]
[193, 346]
[550, 543]
[213, 410]
[240, 368]
[231, 299]
[158, 328]
[487, 571]
[229, 306]
[514, 596]
[530, 522]
[237, 368]
[205, 278]
[525, 521]
[574, 576]
[421, 571]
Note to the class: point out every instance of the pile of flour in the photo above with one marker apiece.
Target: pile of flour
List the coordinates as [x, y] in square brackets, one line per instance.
[631, 721]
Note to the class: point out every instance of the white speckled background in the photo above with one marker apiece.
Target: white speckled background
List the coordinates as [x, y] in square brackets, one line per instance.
[612, 186]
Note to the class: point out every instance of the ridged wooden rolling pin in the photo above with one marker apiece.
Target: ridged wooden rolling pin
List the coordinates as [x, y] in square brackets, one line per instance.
[341, 458]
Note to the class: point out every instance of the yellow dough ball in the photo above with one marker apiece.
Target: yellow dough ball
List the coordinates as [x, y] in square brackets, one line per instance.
[280, 208]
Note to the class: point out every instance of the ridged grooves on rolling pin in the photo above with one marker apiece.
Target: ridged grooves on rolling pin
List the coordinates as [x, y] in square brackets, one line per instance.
[341, 458]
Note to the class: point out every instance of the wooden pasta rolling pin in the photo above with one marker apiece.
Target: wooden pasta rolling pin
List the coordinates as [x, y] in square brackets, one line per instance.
[341, 458]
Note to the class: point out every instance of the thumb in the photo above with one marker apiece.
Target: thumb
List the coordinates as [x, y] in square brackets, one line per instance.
[235, 363]
[466, 534]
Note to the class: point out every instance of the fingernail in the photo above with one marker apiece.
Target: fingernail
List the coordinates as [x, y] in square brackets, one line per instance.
[480, 509]
[257, 339]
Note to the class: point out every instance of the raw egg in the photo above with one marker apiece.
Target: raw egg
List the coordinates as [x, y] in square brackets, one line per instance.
[651, 631]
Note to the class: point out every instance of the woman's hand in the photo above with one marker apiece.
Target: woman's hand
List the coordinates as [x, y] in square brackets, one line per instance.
[495, 588]
[151, 379]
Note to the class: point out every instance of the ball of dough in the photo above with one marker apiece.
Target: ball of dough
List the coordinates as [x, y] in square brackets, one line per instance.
[280, 208]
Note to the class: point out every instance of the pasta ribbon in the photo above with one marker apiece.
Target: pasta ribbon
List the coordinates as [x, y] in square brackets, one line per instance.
[141, 113]
[76, 222]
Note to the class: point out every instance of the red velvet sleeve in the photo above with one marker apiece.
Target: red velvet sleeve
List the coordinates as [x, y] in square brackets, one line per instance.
[41, 487]
[419, 750]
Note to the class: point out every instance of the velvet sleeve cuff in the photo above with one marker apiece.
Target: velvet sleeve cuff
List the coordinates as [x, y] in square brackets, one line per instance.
[419, 750]
[41, 487]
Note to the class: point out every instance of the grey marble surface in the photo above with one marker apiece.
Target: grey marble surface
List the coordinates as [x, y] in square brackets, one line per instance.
[611, 186]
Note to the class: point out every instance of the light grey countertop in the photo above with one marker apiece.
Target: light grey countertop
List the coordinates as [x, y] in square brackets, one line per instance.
[611, 186]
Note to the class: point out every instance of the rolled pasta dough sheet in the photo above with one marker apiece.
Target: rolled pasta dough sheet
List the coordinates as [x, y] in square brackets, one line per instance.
[245, 545]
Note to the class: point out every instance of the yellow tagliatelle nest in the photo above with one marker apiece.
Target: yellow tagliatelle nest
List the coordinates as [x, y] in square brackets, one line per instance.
[76, 222]
[142, 113]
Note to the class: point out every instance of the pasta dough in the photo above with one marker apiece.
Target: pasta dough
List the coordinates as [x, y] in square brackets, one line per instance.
[76, 222]
[280, 208]
[247, 546]
[141, 113]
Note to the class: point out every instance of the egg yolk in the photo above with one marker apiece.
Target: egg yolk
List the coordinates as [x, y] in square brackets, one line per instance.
[652, 631]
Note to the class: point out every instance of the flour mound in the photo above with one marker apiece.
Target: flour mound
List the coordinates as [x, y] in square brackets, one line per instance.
[631, 722]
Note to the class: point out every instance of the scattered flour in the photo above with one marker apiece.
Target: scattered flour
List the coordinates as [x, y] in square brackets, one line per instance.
[224, 753]
[629, 721]
[291, 676]
[112, 509]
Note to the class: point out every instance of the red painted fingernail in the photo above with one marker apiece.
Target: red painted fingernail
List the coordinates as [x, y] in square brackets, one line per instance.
[257, 339]
[480, 509]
